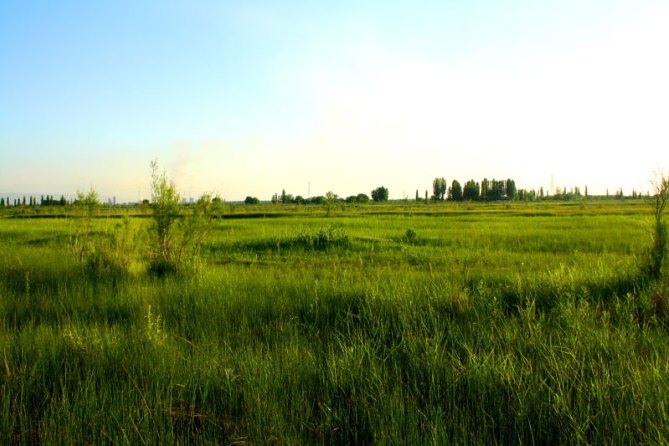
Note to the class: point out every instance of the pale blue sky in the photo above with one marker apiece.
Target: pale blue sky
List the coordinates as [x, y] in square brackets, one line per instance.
[247, 98]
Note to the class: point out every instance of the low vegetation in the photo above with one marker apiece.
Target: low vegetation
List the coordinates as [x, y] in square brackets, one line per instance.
[658, 251]
[175, 238]
[439, 323]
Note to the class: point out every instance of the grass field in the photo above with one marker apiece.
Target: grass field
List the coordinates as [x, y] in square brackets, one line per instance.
[419, 324]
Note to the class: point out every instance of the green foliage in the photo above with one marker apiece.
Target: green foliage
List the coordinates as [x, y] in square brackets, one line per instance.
[106, 252]
[658, 251]
[86, 206]
[485, 189]
[330, 237]
[165, 206]
[471, 190]
[380, 194]
[410, 236]
[362, 198]
[329, 202]
[512, 326]
[455, 192]
[439, 188]
[193, 228]
[511, 191]
[251, 200]
[176, 239]
[286, 198]
[102, 251]
[115, 250]
[495, 190]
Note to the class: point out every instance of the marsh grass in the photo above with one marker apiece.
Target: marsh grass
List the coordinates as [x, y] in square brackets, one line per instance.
[492, 328]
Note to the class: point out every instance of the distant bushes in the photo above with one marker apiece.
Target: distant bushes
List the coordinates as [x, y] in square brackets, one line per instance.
[323, 239]
[360, 198]
[380, 194]
[411, 237]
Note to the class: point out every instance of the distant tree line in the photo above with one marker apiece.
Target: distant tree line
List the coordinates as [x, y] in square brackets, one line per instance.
[499, 190]
[31, 201]
[378, 194]
[487, 190]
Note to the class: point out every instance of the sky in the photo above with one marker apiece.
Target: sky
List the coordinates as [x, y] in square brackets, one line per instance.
[242, 98]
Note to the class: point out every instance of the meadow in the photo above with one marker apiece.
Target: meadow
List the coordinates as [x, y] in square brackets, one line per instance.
[397, 324]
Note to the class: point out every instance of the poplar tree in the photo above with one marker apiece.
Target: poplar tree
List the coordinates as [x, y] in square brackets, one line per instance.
[511, 189]
[456, 191]
[439, 188]
[485, 189]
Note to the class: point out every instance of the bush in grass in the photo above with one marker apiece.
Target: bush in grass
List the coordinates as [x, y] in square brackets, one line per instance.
[193, 229]
[329, 202]
[101, 253]
[410, 236]
[114, 250]
[657, 255]
[324, 239]
[175, 239]
[86, 207]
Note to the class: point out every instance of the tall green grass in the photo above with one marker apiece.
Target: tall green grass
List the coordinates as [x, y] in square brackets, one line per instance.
[482, 328]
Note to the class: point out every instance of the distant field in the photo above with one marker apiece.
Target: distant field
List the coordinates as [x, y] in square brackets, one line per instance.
[397, 323]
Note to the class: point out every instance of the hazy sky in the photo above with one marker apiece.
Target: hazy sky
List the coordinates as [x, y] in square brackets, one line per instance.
[251, 97]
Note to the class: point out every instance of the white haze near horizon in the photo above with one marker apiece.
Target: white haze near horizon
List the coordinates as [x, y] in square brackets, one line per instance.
[593, 116]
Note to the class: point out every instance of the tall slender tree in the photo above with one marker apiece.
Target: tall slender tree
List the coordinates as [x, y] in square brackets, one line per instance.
[511, 191]
[439, 188]
[485, 189]
[455, 192]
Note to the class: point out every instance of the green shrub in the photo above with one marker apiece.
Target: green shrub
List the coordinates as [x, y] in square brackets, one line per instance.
[114, 250]
[324, 239]
[81, 241]
[176, 239]
[653, 266]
